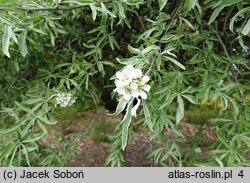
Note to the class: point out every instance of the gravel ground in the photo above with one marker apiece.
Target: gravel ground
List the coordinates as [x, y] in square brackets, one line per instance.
[93, 153]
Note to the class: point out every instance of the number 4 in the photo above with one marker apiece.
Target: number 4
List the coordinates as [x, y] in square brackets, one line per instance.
[241, 174]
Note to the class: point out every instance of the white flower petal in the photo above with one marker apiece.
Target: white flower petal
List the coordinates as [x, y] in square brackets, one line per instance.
[119, 75]
[146, 88]
[133, 86]
[138, 73]
[127, 82]
[119, 83]
[127, 96]
[134, 109]
[135, 93]
[121, 90]
[127, 70]
[129, 67]
[135, 73]
[143, 95]
[145, 78]
[64, 99]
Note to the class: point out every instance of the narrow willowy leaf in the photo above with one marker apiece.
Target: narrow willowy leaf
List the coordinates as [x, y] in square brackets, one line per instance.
[134, 50]
[232, 21]
[162, 3]
[6, 40]
[125, 125]
[94, 11]
[220, 7]
[46, 120]
[246, 29]
[175, 62]
[190, 4]
[147, 115]
[180, 109]
[17, 125]
[22, 43]
[223, 140]
[120, 107]
[190, 98]
[5, 152]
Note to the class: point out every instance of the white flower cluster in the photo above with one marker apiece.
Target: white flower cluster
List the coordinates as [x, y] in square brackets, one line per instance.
[65, 99]
[130, 82]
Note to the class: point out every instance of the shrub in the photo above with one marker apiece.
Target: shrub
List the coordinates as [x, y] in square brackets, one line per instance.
[57, 53]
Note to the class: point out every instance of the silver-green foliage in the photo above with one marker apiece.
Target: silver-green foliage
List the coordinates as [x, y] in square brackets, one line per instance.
[186, 46]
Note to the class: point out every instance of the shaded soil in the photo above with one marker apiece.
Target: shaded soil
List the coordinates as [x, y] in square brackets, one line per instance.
[92, 153]
[90, 132]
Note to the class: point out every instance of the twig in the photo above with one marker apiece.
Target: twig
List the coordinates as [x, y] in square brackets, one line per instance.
[221, 42]
[227, 54]
[143, 27]
[151, 66]
[30, 9]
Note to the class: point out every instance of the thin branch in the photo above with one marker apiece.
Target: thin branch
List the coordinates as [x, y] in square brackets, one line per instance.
[138, 16]
[30, 9]
[227, 54]
[221, 43]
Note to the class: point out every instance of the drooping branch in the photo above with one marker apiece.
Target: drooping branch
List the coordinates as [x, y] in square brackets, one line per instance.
[58, 7]
[31, 9]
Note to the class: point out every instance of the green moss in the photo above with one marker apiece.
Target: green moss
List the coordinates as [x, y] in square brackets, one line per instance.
[198, 115]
